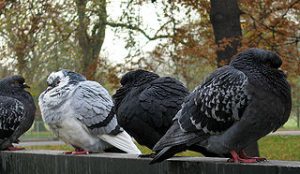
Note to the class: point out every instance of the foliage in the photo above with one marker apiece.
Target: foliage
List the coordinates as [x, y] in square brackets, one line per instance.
[272, 25]
[40, 36]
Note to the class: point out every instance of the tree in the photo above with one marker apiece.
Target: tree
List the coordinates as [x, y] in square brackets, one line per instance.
[265, 24]
[225, 19]
[270, 24]
[90, 42]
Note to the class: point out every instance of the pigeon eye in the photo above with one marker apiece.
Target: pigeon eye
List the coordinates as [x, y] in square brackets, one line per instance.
[269, 64]
[56, 82]
[15, 83]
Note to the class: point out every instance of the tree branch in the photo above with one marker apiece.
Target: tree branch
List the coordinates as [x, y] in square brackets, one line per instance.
[136, 28]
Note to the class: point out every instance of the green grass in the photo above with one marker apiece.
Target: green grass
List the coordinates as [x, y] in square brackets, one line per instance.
[51, 147]
[33, 135]
[291, 124]
[272, 147]
[280, 147]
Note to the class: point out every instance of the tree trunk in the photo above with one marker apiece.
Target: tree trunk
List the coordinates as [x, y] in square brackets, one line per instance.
[225, 19]
[90, 44]
[20, 50]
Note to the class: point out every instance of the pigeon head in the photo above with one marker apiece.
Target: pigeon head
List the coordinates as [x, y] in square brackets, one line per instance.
[13, 84]
[63, 77]
[138, 77]
[257, 57]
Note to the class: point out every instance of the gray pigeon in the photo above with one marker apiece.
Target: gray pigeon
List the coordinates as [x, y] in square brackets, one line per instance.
[235, 106]
[17, 111]
[80, 113]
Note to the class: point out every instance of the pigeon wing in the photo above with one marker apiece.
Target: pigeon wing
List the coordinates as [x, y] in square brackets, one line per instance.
[162, 99]
[92, 105]
[11, 114]
[216, 104]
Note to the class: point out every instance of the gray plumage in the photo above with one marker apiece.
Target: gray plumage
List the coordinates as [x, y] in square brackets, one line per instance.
[235, 106]
[17, 110]
[79, 112]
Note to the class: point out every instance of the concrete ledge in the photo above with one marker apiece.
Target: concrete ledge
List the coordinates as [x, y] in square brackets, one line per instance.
[55, 162]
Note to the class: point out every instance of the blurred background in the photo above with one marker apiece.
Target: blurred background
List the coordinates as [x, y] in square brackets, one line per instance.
[103, 39]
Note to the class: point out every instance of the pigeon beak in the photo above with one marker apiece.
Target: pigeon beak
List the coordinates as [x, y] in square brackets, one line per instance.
[48, 89]
[284, 71]
[25, 85]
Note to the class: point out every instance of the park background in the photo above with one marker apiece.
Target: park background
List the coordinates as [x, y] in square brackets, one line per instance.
[185, 39]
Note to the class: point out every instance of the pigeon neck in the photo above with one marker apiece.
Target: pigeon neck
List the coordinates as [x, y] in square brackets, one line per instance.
[120, 94]
[270, 79]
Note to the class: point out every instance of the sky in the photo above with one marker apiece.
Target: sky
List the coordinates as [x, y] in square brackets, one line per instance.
[113, 46]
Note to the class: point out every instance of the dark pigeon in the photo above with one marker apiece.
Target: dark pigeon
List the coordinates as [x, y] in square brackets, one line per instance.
[235, 106]
[17, 111]
[79, 112]
[146, 104]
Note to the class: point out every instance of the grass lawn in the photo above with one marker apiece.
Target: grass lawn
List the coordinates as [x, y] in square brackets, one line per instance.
[291, 124]
[272, 147]
[280, 147]
[38, 135]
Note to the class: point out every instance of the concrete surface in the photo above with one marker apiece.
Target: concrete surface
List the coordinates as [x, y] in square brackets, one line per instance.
[55, 162]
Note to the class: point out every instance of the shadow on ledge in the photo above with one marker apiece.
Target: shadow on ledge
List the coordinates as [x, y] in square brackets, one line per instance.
[55, 162]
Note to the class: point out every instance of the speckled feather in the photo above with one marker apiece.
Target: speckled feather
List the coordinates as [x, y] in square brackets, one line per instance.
[216, 104]
[17, 110]
[11, 113]
[234, 107]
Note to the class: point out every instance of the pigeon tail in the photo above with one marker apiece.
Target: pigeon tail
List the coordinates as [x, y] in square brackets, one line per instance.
[176, 136]
[122, 141]
[174, 141]
[167, 152]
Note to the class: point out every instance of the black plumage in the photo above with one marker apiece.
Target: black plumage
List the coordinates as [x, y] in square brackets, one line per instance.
[146, 104]
[235, 106]
[17, 110]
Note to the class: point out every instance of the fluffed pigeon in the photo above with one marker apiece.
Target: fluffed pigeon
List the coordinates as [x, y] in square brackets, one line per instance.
[235, 106]
[80, 113]
[17, 111]
[146, 104]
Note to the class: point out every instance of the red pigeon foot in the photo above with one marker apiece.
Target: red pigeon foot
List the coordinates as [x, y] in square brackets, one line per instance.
[245, 156]
[78, 151]
[12, 148]
[237, 159]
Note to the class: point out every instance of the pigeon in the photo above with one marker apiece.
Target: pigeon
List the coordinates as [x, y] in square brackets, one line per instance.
[146, 104]
[17, 111]
[80, 112]
[234, 107]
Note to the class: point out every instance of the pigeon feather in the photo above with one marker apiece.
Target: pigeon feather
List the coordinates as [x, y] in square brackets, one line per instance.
[234, 107]
[81, 113]
[17, 110]
[147, 103]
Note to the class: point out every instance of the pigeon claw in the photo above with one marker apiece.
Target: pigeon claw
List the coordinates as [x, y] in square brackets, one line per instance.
[84, 152]
[239, 159]
[78, 151]
[245, 156]
[12, 148]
